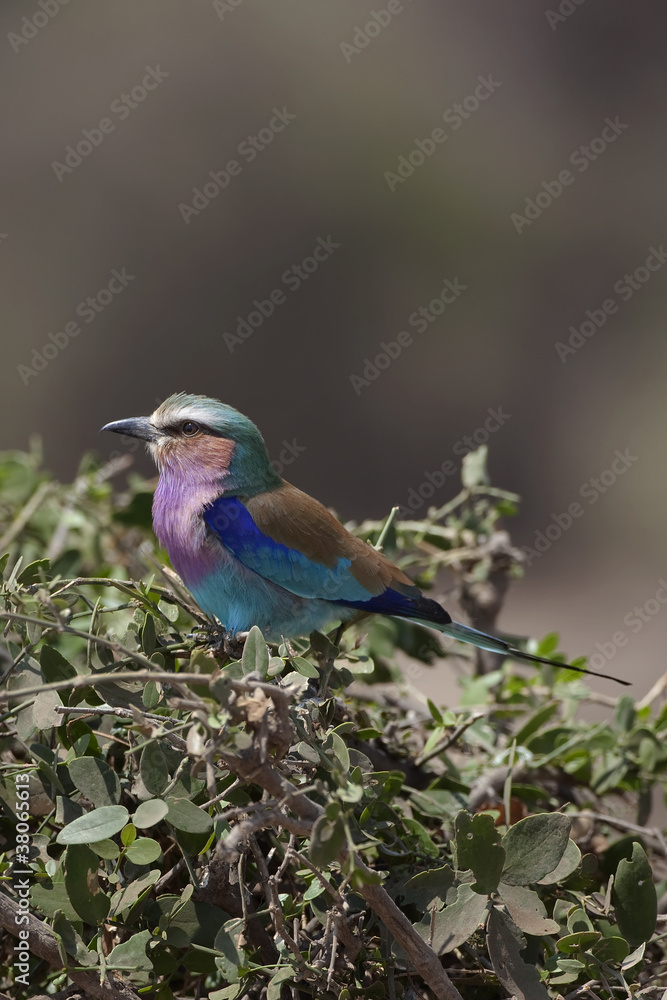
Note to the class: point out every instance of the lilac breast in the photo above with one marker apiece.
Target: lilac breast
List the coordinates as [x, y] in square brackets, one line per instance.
[177, 521]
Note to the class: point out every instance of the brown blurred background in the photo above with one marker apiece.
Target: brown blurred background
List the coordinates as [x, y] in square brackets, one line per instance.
[360, 98]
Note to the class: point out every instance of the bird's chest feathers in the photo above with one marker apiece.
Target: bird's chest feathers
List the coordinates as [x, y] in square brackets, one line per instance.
[178, 521]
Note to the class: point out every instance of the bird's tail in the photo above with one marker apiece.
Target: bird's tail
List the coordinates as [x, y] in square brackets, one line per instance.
[464, 633]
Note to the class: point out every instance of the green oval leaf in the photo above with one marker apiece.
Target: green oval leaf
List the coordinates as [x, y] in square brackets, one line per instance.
[568, 863]
[143, 851]
[186, 816]
[534, 847]
[98, 824]
[255, 658]
[635, 898]
[150, 813]
[96, 780]
[154, 768]
[304, 667]
[581, 941]
[81, 882]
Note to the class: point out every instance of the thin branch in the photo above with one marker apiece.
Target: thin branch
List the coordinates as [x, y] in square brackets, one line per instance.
[279, 695]
[122, 713]
[655, 692]
[450, 740]
[116, 647]
[623, 824]
[126, 587]
[271, 894]
[24, 515]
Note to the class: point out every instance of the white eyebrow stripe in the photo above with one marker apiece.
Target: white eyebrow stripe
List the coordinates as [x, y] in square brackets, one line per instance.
[178, 414]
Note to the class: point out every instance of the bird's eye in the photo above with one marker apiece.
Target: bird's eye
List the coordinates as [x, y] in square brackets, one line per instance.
[190, 428]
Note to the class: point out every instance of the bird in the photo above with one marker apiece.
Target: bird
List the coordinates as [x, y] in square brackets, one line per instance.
[254, 550]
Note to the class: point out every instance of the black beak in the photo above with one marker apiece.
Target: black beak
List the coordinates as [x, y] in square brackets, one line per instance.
[136, 427]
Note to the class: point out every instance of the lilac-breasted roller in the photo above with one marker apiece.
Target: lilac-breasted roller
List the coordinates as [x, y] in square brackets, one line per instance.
[254, 550]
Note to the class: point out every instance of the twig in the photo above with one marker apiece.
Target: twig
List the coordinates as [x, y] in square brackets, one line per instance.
[273, 900]
[126, 587]
[450, 740]
[279, 695]
[122, 713]
[387, 525]
[24, 515]
[623, 824]
[655, 692]
[116, 647]
[327, 886]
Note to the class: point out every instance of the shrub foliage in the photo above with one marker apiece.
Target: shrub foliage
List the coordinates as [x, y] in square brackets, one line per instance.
[299, 822]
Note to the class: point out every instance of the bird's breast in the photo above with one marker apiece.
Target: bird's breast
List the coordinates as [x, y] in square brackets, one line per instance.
[178, 507]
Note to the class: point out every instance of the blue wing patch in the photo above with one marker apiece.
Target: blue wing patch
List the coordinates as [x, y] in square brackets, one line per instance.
[232, 522]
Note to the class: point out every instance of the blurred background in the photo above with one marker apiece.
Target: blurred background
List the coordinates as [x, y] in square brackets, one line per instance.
[411, 144]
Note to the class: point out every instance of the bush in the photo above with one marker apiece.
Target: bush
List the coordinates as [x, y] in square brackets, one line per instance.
[298, 822]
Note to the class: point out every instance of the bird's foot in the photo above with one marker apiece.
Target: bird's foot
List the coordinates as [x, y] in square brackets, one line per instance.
[225, 644]
[234, 643]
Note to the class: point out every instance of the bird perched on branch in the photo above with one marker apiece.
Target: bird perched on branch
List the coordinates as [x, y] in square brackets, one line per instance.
[254, 550]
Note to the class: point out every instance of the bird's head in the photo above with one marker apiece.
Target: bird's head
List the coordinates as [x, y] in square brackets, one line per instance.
[203, 438]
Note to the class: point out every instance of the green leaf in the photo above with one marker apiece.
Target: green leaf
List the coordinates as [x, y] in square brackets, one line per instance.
[151, 696]
[124, 899]
[422, 889]
[50, 895]
[534, 847]
[148, 638]
[473, 468]
[150, 813]
[154, 768]
[143, 851]
[54, 665]
[255, 657]
[634, 897]
[568, 863]
[128, 835]
[578, 921]
[275, 987]
[98, 782]
[611, 949]
[169, 610]
[536, 722]
[327, 840]
[478, 849]
[231, 956]
[98, 824]
[106, 849]
[520, 979]
[625, 713]
[33, 572]
[335, 747]
[580, 941]
[527, 910]
[44, 710]
[73, 942]
[185, 815]
[304, 667]
[448, 928]
[436, 714]
[81, 882]
[131, 954]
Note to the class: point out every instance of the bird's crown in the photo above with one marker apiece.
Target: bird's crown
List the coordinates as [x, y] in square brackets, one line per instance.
[208, 413]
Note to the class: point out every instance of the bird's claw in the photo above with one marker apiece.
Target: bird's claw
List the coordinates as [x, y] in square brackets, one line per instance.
[226, 644]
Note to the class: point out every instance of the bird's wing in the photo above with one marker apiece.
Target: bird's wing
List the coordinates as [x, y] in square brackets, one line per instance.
[292, 540]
